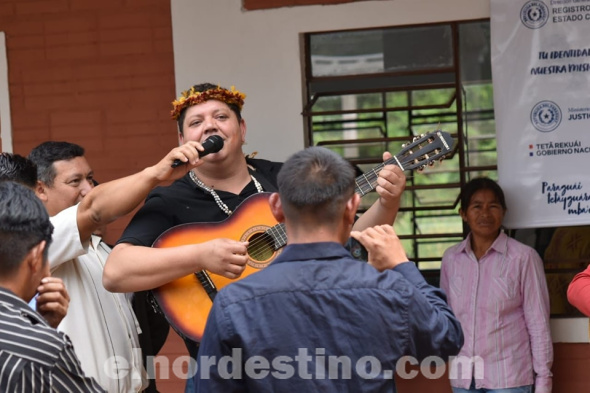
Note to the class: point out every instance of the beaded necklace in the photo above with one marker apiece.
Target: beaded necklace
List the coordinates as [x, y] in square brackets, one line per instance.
[211, 191]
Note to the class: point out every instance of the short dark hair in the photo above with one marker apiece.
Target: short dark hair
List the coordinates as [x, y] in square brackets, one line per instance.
[14, 167]
[315, 180]
[47, 153]
[24, 223]
[477, 184]
[201, 88]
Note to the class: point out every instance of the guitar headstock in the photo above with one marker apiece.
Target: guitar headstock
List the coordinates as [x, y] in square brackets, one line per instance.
[424, 150]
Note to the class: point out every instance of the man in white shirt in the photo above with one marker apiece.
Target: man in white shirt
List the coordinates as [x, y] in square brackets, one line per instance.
[100, 324]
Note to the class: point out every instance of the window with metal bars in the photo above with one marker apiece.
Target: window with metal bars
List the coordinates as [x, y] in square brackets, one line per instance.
[370, 91]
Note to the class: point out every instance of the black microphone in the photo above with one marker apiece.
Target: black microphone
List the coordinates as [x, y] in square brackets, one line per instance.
[211, 145]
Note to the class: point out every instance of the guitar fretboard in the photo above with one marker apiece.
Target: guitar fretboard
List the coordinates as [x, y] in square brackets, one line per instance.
[279, 235]
[423, 150]
[367, 182]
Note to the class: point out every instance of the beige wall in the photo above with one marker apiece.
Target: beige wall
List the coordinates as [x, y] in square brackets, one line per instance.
[259, 53]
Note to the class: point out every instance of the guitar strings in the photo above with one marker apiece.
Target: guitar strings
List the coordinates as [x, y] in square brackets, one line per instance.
[259, 245]
[266, 242]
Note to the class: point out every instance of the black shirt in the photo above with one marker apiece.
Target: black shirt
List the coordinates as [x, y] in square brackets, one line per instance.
[184, 202]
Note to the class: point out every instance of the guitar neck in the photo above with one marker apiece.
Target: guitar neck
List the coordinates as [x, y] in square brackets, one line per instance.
[367, 182]
[423, 150]
[279, 235]
[364, 184]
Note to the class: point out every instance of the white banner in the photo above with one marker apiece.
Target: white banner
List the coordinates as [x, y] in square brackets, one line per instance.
[541, 78]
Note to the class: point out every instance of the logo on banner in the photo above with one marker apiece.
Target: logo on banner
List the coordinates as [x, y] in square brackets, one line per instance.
[534, 14]
[546, 116]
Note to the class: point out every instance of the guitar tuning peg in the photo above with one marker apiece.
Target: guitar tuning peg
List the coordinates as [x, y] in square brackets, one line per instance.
[430, 163]
[404, 145]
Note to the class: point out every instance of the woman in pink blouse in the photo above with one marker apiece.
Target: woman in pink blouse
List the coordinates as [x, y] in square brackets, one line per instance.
[496, 287]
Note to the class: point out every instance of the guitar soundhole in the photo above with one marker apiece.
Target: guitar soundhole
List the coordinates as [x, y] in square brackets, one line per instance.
[261, 249]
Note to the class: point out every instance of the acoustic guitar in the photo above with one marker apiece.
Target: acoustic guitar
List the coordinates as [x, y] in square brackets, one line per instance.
[187, 301]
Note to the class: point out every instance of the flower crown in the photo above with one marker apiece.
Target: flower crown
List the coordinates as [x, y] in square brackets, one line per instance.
[192, 97]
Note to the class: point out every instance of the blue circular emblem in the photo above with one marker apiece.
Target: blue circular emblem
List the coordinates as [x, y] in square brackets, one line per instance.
[546, 116]
[534, 14]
